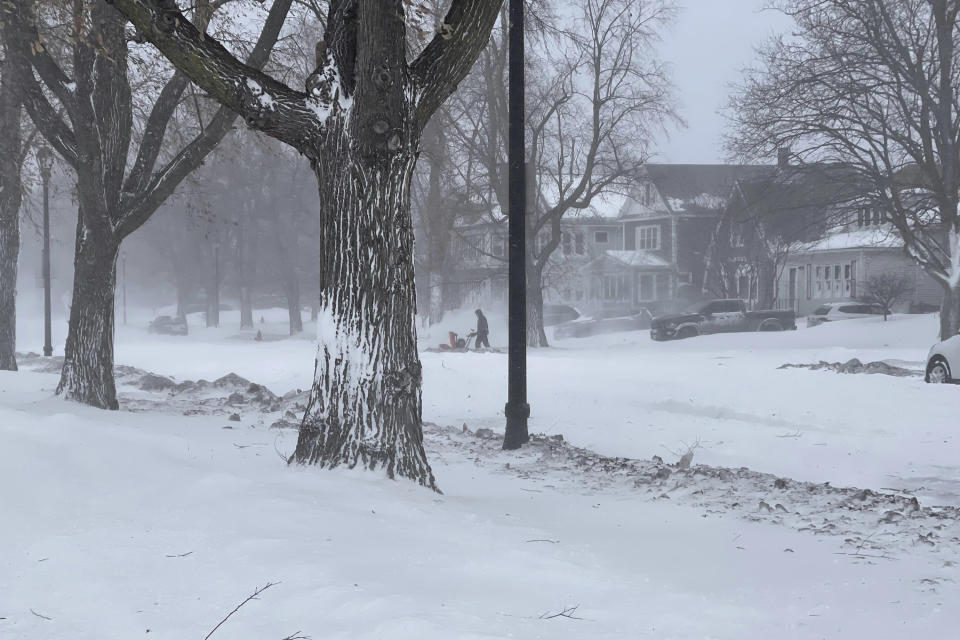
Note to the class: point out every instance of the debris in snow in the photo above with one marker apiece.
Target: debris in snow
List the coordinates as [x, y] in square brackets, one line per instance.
[855, 366]
[817, 508]
[234, 417]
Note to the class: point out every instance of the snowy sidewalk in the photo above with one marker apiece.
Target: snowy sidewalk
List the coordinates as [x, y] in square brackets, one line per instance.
[156, 520]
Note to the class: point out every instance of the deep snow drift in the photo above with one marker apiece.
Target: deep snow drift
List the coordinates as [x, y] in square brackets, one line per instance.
[116, 523]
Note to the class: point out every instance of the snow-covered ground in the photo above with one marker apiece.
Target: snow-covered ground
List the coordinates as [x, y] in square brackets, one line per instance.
[116, 523]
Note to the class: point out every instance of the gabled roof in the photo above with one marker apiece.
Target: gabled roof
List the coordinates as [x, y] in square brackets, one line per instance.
[877, 238]
[633, 259]
[817, 186]
[694, 188]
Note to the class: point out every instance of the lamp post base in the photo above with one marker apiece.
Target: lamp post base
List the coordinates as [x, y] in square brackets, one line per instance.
[516, 434]
[48, 351]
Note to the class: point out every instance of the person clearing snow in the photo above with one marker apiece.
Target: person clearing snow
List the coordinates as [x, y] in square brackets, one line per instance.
[483, 331]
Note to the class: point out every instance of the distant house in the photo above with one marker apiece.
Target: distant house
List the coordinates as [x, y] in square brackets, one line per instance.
[798, 236]
[653, 249]
[667, 224]
[835, 267]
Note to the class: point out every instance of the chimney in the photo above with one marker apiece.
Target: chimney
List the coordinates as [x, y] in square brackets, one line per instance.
[783, 157]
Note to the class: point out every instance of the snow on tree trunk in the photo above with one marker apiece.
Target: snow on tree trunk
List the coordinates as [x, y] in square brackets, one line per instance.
[950, 313]
[87, 374]
[365, 404]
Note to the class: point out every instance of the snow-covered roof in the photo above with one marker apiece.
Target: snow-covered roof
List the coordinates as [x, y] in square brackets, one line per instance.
[877, 238]
[637, 258]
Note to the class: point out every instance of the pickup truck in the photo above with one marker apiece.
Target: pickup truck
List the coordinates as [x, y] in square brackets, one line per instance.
[719, 316]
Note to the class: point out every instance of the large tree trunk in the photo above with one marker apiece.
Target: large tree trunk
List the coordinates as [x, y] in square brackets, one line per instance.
[10, 197]
[246, 308]
[9, 252]
[435, 297]
[87, 374]
[365, 405]
[292, 290]
[536, 334]
[246, 301]
[950, 312]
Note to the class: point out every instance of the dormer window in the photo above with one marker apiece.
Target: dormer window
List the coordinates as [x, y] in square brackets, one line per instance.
[647, 194]
[870, 216]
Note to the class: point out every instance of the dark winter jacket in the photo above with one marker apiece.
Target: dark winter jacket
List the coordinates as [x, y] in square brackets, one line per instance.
[482, 327]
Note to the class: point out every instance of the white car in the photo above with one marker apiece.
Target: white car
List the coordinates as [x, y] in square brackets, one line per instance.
[833, 311]
[943, 360]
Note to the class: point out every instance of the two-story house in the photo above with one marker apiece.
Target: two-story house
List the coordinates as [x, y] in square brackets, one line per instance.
[667, 224]
[653, 249]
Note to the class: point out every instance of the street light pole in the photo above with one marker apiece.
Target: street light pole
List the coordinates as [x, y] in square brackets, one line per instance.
[45, 163]
[517, 410]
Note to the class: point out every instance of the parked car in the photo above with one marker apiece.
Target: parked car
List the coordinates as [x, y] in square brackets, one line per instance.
[584, 327]
[168, 325]
[558, 314]
[943, 362]
[833, 311]
[720, 316]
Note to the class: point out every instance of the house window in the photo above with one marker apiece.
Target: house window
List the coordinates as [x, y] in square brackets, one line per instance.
[543, 239]
[613, 288]
[647, 287]
[467, 248]
[736, 239]
[648, 238]
[647, 194]
[867, 216]
[578, 243]
[567, 244]
[685, 278]
[498, 246]
[835, 281]
[601, 237]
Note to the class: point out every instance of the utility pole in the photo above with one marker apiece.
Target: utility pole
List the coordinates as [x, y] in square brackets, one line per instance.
[45, 163]
[517, 410]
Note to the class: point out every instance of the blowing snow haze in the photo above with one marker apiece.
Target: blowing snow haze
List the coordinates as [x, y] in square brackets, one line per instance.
[264, 372]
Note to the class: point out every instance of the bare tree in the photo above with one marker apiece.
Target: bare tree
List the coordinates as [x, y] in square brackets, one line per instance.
[874, 84]
[83, 63]
[886, 289]
[595, 95]
[11, 160]
[359, 122]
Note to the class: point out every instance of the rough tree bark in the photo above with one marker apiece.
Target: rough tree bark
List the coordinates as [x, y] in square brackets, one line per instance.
[87, 373]
[10, 197]
[359, 123]
[95, 140]
[536, 334]
[950, 312]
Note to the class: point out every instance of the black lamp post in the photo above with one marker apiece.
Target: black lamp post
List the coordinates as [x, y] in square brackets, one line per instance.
[517, 410]
[45, 163]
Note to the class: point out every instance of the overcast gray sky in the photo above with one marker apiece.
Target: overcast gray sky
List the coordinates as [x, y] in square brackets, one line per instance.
[707, 46]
